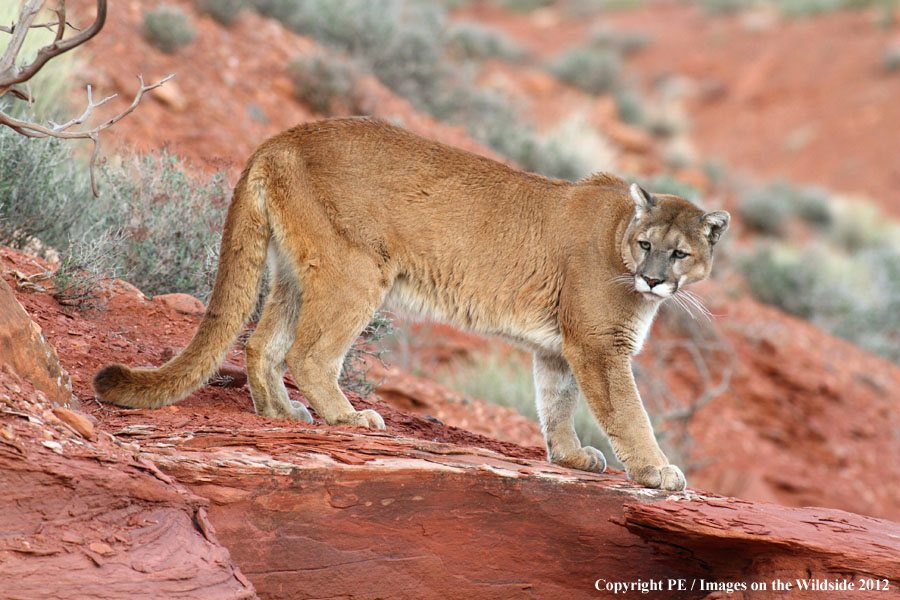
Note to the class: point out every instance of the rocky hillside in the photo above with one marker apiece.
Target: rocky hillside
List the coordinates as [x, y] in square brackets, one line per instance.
[204, 499]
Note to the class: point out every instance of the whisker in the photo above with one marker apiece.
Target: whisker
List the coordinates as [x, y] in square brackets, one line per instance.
[679, 300]
[694, 301]
[624, 279]
[702, 309]
[700, 304]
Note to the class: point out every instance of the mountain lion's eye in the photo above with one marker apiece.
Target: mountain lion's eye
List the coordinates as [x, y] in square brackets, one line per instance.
[679, 254]
[644, 245]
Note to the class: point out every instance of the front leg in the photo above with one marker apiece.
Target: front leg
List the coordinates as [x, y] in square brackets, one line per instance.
[608, 385]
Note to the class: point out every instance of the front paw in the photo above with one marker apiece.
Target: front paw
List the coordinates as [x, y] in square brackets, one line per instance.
[668, 477]
[587, 458]
[364, 418]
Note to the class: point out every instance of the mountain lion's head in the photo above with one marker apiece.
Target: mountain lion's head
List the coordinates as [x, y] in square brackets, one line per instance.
[669, 243]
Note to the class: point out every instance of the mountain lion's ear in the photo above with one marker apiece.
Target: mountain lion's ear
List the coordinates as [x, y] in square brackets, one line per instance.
[643, 200]
[714, 224]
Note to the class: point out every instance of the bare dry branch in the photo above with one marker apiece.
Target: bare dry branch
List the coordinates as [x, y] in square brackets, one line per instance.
[51, 25]
[61, 23]
[35, 130]
[12, 74]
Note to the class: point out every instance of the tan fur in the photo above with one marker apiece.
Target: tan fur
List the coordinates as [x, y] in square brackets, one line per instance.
[356, 212]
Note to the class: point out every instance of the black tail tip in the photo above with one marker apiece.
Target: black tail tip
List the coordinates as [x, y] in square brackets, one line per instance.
[110, 378]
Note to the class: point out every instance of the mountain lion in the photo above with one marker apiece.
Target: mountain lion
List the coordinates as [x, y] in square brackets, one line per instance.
[355, 212]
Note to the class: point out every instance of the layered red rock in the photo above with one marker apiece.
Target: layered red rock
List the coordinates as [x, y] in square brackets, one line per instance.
[358, 514]
[86, 516]
[26, 355]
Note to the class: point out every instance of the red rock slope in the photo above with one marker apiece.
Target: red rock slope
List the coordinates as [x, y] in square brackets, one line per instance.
[413, 512]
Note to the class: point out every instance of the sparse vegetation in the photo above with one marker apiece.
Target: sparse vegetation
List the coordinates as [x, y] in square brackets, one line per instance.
[847, 281]
[169, 221]
[43, 192]
[631, 107]
[795, 8]
[407, 46]
[168, 28]
[326, 83]
[224, 12]
[472, 41]
[508, 381]
[88, 266]
[355, 371]
[769, 209]
[764, 211]
[890, 60]
[595, 69]
[623, 42]
[524, 5]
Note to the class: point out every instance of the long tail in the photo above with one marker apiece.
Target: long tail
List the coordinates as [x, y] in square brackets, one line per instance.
[242, 260]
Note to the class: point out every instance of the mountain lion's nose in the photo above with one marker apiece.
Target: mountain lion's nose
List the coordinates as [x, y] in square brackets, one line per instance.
[651, 282]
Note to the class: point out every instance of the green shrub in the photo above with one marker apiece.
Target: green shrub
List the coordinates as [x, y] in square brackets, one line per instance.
[622, 42]
[355, 370]
[224, 12]
[593, 69]
[168, 28]
[856, 297]
[787, 278]
[473, 41]
[858, 225]
[890, 60]
[768, 209]
[631, 107]
[725, 6]
[401, 43]
[43, 191]
[326, 83]
[795, 8]
[169, 219]
[764, 211]
[524, 5]
[86, 269]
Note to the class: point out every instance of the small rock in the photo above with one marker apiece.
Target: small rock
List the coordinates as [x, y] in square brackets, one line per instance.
[55, 446]
[76, 420]
[101, 548]
[125, 288]
[630, 138]
[183, 303]
[71, 538]
[170, 95]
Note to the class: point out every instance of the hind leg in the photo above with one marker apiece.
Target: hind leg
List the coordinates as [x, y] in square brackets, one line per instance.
[557, 397]
[267, 348]
[337, 305]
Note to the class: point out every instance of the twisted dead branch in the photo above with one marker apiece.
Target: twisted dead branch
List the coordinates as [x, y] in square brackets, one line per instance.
[12, 76]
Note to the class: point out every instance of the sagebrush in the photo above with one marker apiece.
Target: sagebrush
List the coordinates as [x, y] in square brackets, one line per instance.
[168, 28]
